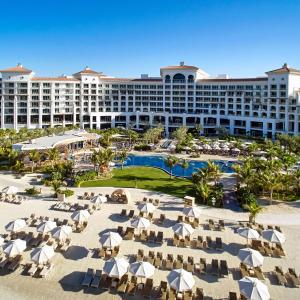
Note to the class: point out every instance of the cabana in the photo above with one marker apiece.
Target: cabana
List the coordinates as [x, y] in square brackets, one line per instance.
[120, 195]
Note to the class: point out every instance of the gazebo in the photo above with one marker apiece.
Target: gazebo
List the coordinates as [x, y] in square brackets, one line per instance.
[121, 195]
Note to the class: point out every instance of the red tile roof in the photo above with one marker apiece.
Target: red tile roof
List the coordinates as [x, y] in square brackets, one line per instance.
[179, 67]
[87, 70]
[284, 69]
[17, 69]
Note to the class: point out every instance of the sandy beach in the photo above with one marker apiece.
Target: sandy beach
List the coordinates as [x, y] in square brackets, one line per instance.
[64, 280]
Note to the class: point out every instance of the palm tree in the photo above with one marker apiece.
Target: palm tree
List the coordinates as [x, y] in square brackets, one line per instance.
[254, 209]
[171, 161]
[35, 157]
[53, 155]
[270, 181]
[184, 165]
[213, 171]
[102, 158]
[202, 191]
[122, 157]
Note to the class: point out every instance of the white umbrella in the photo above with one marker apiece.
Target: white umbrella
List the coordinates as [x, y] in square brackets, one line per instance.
[14, 247]
[42, 255]
[110, 239]
[10, 190]
[46, 226]
[192, 211]
[80, 215]
[99, 199]
[183, 229]
[146, 207]
[216, 147]
[181, 280]
[140, 223]
[248, 233]
[1, 241]
[116, 267]
[197, 147]
[236, 150]
[253, 289]
[61, 232]
[226, 148]
[251, 257]
[142, 269]
[15, 225]
[206, 147]
[274, 236]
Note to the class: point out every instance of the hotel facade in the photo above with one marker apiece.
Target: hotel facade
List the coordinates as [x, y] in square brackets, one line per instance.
[182, 96]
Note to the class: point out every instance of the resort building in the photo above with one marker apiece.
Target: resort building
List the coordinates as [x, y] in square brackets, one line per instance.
[182, 95]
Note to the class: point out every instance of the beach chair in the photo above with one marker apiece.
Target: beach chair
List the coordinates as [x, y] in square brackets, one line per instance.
[163, 289]
[223, 268]
[280, 276]
[244, 270]
[158, 260]
[151, 238]
[120, 230]
[203, 267]
[131, 214]
[188, 295]
[196, 223]
[190, 264]
[278, 250]
[175, 240]
[171, 294]
[15, 263]
[123, 213]
[179, 219]
[161, 219]
[121, 287]
[88, 277]
[144, 236]
[140, 255]
[209, 242]
[159, 238]
[219, 244]
[267, 249]
[232, 296]
[156, 202]
[258, 273]
[222, 224]
[211, 224]
[129, 233]
[147, 290]
[132, 286]
[169, 262]
[214, 267]
[293, 277]
[199, 295]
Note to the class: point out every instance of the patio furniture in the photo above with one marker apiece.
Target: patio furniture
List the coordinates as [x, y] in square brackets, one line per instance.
[88, 277]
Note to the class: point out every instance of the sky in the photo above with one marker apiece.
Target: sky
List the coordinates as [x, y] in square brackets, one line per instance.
[129, 38]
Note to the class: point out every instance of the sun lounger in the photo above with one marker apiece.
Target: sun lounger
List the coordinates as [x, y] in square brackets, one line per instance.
[267, 248]
[131, 214]
[129, 234]
[203, 265]
[244, 270]
[120, 230]
[32, 270]
[179, 219]
[169, 262]
[45, 271]
[159, 238]
[161, 219]
[3, 263]
[232, 296]
[199, 294]
[151, 238]
[196, 223]
[188, 295]
[293, 277]
[163, 290]
[214, 267]
[123, 213]
[209, 242]
[219, 244]
[131, 286]
[222, 224]
[147, 290]
[280, 276]
[88, 277]
[224, 268]
[15, 263]
[121, 287]
[96, 280]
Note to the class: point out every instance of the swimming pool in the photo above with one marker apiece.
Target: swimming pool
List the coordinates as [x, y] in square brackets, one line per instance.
[158, 161]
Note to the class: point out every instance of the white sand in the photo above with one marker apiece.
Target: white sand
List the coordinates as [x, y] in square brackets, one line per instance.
[66, 276]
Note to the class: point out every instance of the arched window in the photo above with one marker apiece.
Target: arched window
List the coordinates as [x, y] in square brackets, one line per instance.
[191, 78]
[178, 78]
[167, 79]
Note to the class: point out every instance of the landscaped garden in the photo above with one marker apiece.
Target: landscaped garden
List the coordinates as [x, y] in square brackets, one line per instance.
[147, 178]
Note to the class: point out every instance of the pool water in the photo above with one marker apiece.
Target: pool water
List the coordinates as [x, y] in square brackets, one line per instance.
[159, 162]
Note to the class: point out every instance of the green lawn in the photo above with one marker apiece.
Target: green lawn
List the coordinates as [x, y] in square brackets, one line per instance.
[147, 178]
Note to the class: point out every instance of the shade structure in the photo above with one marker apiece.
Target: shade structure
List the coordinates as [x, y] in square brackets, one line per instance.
[42, 255]
[99, 199]
[61, 233]
[181, 280]
[274, 236]
[253, 289]
[183, 229]
[116, 267]
[248, 233]
[140, 223]
[192, 211]
[146, 207]
[15, 225]
[14, 247]
[251, 257]
[110, 239]
[10, 190]
[46, 226]
[142, 269]
[80, 215]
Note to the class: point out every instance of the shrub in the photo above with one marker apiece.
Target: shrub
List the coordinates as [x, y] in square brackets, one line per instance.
[84, 176]
[33, 191]
[66, 192]
[142, 147]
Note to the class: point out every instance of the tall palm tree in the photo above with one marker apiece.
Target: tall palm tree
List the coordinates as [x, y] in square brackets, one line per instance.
[254, 210]
[53, 155]
[35, 157]
[213, 171]
[102, 158]
[202, 191]
[171, 161]
[270, 181]
[122, 157]
[184, 165]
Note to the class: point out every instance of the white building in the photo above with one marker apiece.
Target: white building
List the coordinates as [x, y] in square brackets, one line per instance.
[182, 95]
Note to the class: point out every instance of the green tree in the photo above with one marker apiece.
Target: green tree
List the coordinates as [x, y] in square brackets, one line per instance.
[34, 157]
[171, 161]
[184, 165]
[254, 209]
[202, 191]
[53, 155]
[102, 158]
[122, 156]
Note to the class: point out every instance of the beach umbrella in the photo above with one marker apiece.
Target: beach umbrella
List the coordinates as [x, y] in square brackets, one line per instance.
[146, 207]
[10, 190]
[1, 241]
[42, 255]
[116, 267]
[226, 148]
[142, 269]
[181, 280]
[236, 150]
[14, 247]
[110, 239]
[99, 199]
[46, 226]
[206, 147]
[15, 225]
[140, 223]
[273, 236]
[253, 289]
[61, 232]
[192, 211]
[183, 229]
[197, 147]
[80, 215]
[248, 233]
[251, 257]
